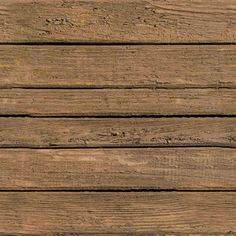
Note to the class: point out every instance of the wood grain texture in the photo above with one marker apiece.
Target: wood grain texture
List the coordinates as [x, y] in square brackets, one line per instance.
[118, 66]
[160, 212]
[123, 132]
[116, 169]
[117, 21]
[120, 234]
[117, 102]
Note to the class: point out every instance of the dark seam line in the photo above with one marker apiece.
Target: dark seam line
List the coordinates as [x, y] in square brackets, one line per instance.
[111, 233]
[118, 116]
[157, 146]
[120, 147]
[117, 147]
[113, 43]
[118, 190]
[216, 87]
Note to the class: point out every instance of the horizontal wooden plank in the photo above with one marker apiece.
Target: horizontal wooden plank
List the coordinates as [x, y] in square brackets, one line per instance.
[118, 66]
[110, 234]
[139, 212]
[142, 168]
[117, 21]
[117, 102]
[108, 132]
[120, 234]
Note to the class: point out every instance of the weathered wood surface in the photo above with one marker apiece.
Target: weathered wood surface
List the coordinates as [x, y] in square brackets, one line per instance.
[118, 66]
[117, 234]
[122, 132]
[113, 234]
[117, 21]
[160, 212]
[115, 169]
[117, 102]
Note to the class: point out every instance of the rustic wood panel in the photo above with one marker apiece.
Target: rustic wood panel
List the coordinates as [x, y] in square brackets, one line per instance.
[107, 132]
[160, 212]
[86, 169]
[118, 66]
[108, 102]
[117, 21]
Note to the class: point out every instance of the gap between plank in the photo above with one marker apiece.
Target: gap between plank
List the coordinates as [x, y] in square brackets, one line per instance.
[116, 190]
[114, 43]
[52, 147]
[120, 116]
[119, 87]
[121, 147]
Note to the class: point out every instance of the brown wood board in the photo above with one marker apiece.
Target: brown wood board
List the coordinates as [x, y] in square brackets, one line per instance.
[118, 169]
[114, 132]
[117, 102]
[117, 212]
[171, 66]
[93, 21]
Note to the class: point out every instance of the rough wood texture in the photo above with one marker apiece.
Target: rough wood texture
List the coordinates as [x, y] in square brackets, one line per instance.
[117, 21]
[117, 212]
[107, 132]
[86, 169]
[118, 66]
[117, 102]
[128, 71]
[121, 234]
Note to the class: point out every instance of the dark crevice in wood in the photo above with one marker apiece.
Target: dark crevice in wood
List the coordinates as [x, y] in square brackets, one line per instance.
[120, 147]
[110, 43]
[5, 146]
[117, 190]
[120, 116]
[169, 87]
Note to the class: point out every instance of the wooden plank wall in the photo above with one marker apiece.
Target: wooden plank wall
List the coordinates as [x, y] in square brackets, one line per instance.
[117, 117]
